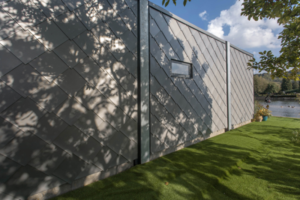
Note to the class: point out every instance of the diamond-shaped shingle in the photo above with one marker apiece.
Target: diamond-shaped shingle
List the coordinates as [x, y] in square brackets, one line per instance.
[49, 34]
[88, 15]
[72, 4]
[7, 96]
[7, 168]
[70, 53]
[25, 80]
[24, 147]
[70, 24]
[53, 7]
[27, 13]
[29, 185]
[69, 169]
[70, 111]
[90, 71]
[8, 26]
[7, 131]
[23, 45]
[49, 159]
[87, 42]
[49, 65]
[70, 81]
[24, 113]
[77, 142]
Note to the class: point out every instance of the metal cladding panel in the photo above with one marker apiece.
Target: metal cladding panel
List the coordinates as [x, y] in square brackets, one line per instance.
[68, 88]
[242, 87]
[197, 105]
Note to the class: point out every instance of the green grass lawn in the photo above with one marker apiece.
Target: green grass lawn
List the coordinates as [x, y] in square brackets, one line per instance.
[256, 161]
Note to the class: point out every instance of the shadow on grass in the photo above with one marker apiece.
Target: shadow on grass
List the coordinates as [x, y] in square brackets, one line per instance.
[263, 163]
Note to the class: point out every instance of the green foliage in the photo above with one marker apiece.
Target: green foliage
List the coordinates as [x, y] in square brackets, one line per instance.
[287, 12]
[263, 83]
[272, 88]
[295, 85]
[286, 84]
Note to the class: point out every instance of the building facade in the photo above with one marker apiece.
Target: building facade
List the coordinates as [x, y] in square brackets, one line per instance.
[89, 88]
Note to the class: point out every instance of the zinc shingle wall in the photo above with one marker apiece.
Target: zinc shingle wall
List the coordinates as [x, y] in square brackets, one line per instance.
[68, 93]
[242, 94]
[184, 109]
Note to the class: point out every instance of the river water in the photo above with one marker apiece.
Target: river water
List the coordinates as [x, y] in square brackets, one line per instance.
[286, 108]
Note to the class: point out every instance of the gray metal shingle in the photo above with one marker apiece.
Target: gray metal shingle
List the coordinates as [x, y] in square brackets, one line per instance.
[49, 127]
[49, 159]
[49, 65]
[90, 71]
[7, 168]
[27, 13]
[107, 158]
[53, 7]
[87, 42]
[77, 142]
[70, 111]
[122, 145]
[87, 14]
[28, 186]
[49, 34]
[7, 95]
[23, 45]
[70, 81]
[72, 4]
[91, 124]
[24, 147]
[7, 132]
[70, 53]
[73, 165]
[69, 24]
[24, 113]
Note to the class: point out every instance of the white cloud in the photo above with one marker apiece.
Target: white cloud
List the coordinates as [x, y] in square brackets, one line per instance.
[203, 15]
[245, 33]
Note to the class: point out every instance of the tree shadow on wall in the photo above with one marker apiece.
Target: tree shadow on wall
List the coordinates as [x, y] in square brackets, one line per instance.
[183, 109]
[68, 115]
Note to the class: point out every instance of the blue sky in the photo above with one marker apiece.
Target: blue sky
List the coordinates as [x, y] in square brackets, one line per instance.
[222, 18]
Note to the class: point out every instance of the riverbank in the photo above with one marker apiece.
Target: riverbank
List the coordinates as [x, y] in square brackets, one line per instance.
[256, 161]
[280, 98]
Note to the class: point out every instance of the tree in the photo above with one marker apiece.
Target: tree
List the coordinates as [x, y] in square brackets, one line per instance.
[295, 85]
[260, 84]
[272, 88]
[287, 13]
[286, 84]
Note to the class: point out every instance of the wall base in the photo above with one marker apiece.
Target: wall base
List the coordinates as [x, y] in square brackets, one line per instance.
[181, 146]
[80, 182]
[241, 124]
